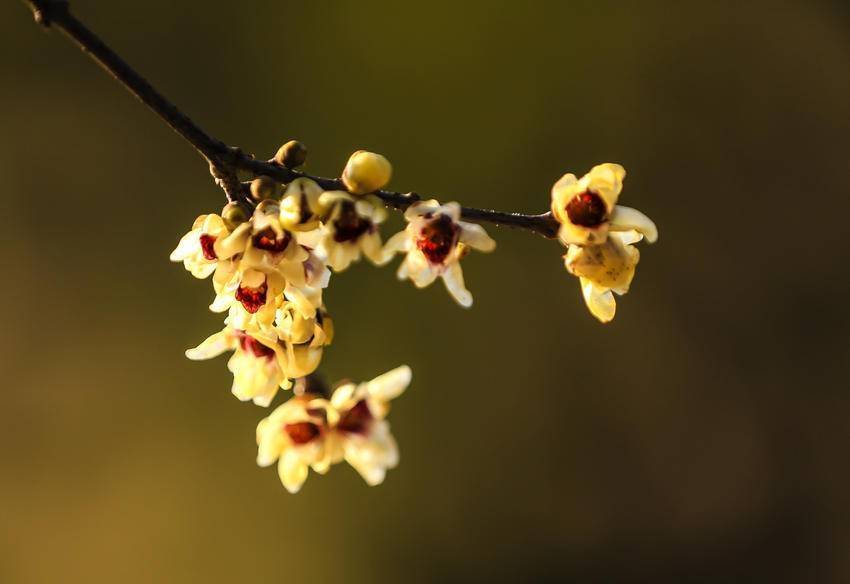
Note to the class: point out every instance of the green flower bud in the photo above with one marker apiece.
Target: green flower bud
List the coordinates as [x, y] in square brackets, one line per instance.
[234, 215]
[262, 188]
[292, 154]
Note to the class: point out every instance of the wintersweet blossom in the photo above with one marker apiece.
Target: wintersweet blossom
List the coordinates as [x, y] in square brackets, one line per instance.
[587, 207]
[257, 363]
[604, 269]
[310, 431]
[350, 228]
[299, 208]
[434, 242]
[360, 434]
[294, 436]
[209, 242]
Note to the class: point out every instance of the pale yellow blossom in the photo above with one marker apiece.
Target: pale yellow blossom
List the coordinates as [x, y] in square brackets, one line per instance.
[603, 270]
[257, 364]
[209, 242]
[587, 207]
[350, 228]
[366, 172]
[434, 242]
[294, 436]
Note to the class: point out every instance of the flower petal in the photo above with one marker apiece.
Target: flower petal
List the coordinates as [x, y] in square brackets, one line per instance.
[292, 470]
[213, 346]
[600, 301]
[627, 219]
[453, 279]
[391, 384]
[476, 237]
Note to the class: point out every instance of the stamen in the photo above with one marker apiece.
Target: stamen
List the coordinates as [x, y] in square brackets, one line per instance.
[207, 243]
[267, 240]
[349, 226]
[252, 345]
[252, 298]
[356, 420]
[587, 209]
[438, 238]
[301, 432]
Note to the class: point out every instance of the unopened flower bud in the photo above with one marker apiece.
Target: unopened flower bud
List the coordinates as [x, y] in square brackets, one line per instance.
[233, 215]
[366, 172]
[292, 154]
[262, 188]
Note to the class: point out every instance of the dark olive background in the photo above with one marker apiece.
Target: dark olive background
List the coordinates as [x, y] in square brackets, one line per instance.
[700, 437]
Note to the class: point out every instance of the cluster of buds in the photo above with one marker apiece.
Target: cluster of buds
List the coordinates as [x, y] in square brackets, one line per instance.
[599, 235]
[271, 259]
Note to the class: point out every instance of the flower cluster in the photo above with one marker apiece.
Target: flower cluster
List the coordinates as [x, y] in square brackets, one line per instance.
[599, 235]
[271, 257]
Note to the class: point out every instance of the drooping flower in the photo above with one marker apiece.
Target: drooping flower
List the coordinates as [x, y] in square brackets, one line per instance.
[302, 339]
[350, 228]
[299, 208]
[435, 240]
[294, 435]
[603, 270]
[360, 433]
[209, 242]
[257, 363]
[366, 172]
[587, 208]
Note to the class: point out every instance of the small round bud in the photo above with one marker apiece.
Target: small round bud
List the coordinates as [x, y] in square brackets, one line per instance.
[234, 215]
[262, 188]
[366, 172]
[269, 207]
[292, 154]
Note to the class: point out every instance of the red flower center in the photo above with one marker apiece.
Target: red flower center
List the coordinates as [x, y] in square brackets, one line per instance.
[357, 419]
[301, 432]
[349, 226]
[207, 243]
[252, 345]
[252, 298]
[267, 240]
[438, 238]
[587, 209]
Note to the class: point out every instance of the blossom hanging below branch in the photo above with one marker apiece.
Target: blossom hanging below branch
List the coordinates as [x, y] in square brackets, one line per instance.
[273, 248]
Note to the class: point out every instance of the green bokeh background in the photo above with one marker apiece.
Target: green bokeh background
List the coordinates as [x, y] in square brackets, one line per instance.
[702, 436]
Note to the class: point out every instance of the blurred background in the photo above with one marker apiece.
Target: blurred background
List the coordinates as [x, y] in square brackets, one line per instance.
[702, 436]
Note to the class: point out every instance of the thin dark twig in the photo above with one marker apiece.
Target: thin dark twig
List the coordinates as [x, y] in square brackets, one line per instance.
[225, 161]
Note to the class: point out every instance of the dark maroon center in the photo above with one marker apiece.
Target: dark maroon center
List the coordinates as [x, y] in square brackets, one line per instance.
[252, 298]
[438, 238]
[349, 226]
[207, 246]
[587, 209]
[301, 432]
[254, 346]
[268, 241]
[357, 419]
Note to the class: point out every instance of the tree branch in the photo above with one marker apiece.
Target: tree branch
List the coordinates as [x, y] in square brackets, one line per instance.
[225, 161]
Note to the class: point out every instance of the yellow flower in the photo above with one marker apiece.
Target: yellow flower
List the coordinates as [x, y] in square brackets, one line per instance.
[209, 242]
[360, 434]
[257, 363]
[604, 269]
[302, 339]
[271, 247]
[299, 208]
[351, 227]
[587, 208]
[366, 172]
[435, 239]
[294, 435]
